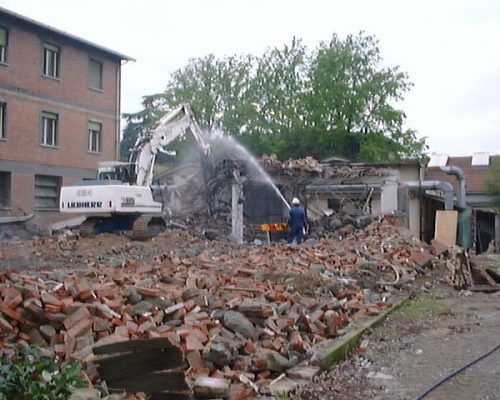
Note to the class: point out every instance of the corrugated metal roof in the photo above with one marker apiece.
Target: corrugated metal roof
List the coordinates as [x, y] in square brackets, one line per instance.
[67, 35]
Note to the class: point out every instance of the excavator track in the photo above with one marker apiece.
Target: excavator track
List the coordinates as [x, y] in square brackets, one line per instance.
[146, 227]
[140, 229]
[88, 228]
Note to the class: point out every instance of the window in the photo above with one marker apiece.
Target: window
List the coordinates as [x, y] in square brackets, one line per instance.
[4, 37]
[49, 129]
[94, 137]
[51, 60]
[3, 107]
[47, 191]
[95, 75]
[4, 189]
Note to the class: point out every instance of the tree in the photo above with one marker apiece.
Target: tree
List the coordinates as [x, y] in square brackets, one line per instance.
[138, 123]
[351, 102]
[278, 94]
[493, 182]
[334, 100]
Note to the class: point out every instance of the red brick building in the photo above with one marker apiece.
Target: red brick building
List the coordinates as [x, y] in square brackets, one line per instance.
[59, 113]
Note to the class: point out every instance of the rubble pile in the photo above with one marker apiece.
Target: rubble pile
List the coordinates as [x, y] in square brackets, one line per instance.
[329, 224]
[480, 272]
[244, 314]
[200, 201]
[350, 173]
[18, 231]
[304, 164]
[312, 167]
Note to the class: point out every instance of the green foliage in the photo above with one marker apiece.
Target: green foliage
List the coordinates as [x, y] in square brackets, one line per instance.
[426, 309]
[281, 395]
[138, 123]
[37, 377]
[349, 103]
[493, 182]
[337, 99]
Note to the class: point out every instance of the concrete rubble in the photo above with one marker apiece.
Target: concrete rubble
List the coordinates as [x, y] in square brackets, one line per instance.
[247, 318]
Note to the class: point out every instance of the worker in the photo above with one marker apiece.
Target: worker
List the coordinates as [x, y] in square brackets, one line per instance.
[297, 222]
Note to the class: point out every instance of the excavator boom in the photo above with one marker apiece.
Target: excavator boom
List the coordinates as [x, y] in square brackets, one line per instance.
[175, 124]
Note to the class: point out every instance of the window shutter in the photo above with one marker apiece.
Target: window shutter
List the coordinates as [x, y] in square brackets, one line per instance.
[51, 47]
[46, 114]
[94, 126]
[3, 37]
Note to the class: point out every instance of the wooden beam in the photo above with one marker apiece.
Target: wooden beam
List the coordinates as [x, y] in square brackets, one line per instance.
[138, 363]
[155, 382]
[137, 345]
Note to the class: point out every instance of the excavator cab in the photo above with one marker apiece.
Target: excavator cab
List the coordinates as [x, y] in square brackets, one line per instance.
[116, 171]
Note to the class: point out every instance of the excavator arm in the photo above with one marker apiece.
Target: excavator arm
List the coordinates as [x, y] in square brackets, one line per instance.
[175, 124]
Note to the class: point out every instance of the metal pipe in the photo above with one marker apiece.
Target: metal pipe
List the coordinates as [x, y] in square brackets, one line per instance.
[464, 225]
[445, 187]
[459, 173]
[345, 188]
[117, 111]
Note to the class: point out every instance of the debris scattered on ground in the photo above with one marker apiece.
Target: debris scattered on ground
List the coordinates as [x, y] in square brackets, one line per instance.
[18, 231]
[479, 273]
[242, 315]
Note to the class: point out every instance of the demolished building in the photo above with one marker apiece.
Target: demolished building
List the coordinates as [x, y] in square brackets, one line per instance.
[337, 192]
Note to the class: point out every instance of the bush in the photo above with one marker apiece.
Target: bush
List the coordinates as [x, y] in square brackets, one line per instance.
[34, 376]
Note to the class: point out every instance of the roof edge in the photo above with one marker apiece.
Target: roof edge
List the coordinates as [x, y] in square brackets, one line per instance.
[70, 36]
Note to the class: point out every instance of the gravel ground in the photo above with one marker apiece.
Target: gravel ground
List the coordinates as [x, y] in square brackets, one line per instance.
[417, 346]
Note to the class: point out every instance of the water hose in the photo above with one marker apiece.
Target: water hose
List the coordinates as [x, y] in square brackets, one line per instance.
[457, 371]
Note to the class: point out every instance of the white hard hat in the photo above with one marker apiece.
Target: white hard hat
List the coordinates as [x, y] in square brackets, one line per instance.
[295, 200]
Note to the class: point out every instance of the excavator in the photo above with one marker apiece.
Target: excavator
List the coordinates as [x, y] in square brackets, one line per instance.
[121, 198]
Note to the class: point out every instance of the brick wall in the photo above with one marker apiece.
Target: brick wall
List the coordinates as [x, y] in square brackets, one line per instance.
[23, 129]
[25, 70]
[27, 93]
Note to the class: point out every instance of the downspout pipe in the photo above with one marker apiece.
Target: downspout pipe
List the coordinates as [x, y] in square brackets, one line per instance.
[459, 173]
[444, 187]
[464, 225]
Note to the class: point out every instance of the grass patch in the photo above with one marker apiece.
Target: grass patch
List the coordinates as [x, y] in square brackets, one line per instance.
[425, 308]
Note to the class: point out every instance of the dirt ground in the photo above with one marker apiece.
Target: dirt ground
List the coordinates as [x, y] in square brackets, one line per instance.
[437, 332]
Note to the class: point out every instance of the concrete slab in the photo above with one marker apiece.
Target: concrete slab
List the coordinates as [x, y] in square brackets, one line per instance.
[303, 372]
[331, 351]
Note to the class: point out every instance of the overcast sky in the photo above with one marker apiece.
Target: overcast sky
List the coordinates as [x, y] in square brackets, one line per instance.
[450, 49]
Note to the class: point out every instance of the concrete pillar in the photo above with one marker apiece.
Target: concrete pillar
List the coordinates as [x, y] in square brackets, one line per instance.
[237, 211]
[389, 196]
[497, 233]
